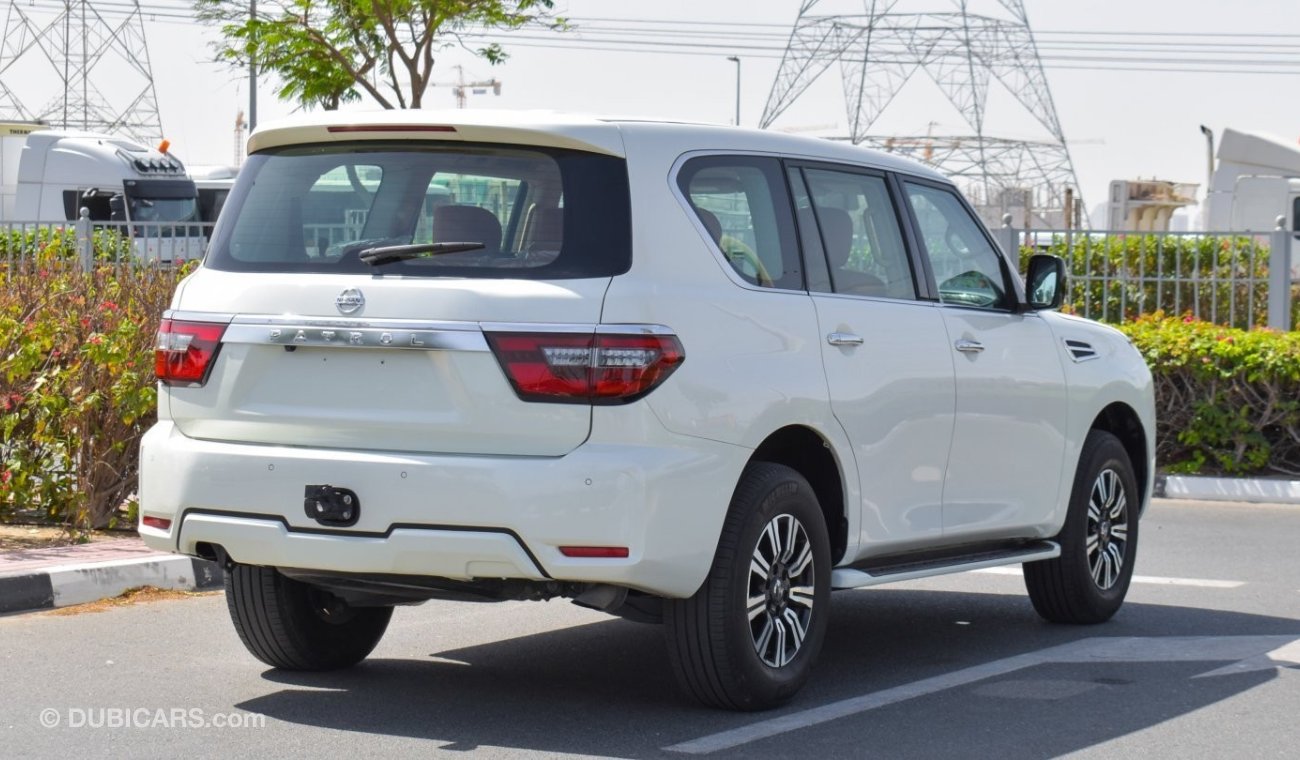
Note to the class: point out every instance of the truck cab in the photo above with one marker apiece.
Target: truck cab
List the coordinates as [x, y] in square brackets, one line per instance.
[144, 191]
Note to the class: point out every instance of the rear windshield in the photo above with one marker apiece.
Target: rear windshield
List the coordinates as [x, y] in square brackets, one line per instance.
[537, 213]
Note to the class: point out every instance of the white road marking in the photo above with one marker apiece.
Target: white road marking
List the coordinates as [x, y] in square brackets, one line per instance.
[1095, 650]
[1149, 579]
[1286, 656]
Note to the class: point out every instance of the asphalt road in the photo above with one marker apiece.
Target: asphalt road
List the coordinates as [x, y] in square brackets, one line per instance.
[1201, 662]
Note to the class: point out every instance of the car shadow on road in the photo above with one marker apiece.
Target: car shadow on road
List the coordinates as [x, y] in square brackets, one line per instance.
[605, 688]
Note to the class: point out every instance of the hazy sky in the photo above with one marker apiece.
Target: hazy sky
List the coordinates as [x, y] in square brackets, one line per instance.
[1122, 124]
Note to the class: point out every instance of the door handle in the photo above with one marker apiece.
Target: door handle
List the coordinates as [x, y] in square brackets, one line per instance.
[844, 339]
[969, 346]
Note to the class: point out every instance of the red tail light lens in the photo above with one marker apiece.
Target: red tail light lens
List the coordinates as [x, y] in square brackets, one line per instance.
[185, 351]
[584, 368]
[594, 552]
[157, 523]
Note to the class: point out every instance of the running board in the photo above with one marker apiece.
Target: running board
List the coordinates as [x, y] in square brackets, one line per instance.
[846, 577]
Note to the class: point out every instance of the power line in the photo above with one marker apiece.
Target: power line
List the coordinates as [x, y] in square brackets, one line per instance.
[607, 44]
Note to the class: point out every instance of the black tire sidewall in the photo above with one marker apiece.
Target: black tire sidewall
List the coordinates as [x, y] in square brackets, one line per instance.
[1102, 451]
[277, 619]
[783, 491]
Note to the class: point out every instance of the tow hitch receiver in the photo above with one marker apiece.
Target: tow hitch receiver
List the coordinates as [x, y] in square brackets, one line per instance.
[331, 505]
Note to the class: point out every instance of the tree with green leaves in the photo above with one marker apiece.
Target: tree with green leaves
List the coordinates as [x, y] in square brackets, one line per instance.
[327, 52]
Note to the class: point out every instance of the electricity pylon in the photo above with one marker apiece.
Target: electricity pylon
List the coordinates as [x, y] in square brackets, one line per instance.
[94, 59]
[963, 45]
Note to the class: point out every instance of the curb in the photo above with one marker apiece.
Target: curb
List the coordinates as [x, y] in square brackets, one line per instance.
[66, 585]
[1254, 490]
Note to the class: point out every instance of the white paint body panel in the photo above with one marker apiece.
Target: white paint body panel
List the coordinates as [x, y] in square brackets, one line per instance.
[655, 475]
[894, 397]
[1003, 476]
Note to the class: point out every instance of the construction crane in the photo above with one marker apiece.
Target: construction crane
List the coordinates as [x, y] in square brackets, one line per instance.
[462, 89]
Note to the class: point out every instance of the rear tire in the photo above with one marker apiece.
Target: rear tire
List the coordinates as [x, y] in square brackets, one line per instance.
[292, 625]
[1088, 582]
[748, 638]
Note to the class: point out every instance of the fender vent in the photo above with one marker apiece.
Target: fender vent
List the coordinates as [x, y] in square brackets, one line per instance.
[1080, 351]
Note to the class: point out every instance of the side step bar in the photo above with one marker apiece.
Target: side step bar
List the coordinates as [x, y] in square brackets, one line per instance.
[846, 577]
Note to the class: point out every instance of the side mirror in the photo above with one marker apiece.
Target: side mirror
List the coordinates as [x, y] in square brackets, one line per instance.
[1045, 282]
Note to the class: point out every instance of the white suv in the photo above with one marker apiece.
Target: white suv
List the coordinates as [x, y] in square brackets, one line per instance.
[690, 374]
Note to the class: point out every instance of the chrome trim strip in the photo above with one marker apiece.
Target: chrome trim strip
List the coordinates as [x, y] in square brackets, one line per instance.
[317, 335]
[348, 323]
[410, 334]
[603, 329]
[198, 316]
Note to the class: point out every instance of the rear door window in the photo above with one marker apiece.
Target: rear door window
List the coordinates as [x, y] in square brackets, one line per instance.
[860, 233]
[528, 212]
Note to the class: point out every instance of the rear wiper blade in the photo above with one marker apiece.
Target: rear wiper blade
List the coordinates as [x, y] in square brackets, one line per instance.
[390, 253]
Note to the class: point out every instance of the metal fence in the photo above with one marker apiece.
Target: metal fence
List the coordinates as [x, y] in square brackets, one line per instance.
[84, 243]
[1240, 279]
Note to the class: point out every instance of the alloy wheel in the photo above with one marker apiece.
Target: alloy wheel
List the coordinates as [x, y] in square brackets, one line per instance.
[1107, 534]
[781, 590]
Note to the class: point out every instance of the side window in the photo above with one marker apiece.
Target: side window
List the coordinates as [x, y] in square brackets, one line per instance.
[741, 201]
[967, 269]
[860, 233]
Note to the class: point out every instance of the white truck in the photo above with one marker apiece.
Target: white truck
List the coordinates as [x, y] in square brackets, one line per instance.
[1256, 180]
[47, 176]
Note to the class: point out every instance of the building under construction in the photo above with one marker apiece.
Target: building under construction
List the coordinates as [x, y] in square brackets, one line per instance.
[881, 47]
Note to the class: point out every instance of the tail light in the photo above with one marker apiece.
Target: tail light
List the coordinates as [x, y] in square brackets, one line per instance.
[585, 368]
[185, 351]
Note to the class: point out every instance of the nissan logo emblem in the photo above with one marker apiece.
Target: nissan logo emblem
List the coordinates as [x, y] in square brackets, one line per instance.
[350, 301]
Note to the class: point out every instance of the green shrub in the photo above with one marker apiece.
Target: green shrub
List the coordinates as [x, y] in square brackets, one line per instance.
[76, 385]
[1227, 400]
[24, 245]
[1220, 279]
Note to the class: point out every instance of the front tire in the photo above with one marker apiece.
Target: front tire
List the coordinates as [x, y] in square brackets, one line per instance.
[748, 638]
[292, 625]
[1088, 582]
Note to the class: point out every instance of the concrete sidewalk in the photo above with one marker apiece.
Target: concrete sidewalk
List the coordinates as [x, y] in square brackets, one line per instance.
[36, 579]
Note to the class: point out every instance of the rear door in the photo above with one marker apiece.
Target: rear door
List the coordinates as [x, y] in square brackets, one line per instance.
[1008, 442]
[885, 351]
[322, 349]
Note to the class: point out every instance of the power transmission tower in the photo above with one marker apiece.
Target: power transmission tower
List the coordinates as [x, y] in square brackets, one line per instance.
[964, 45]
[96, 57]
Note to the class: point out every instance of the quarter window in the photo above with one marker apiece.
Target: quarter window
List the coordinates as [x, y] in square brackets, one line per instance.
[967, 269]
[741, 202]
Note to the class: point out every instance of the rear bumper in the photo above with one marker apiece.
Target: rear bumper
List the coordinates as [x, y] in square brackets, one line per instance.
[458, 517]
